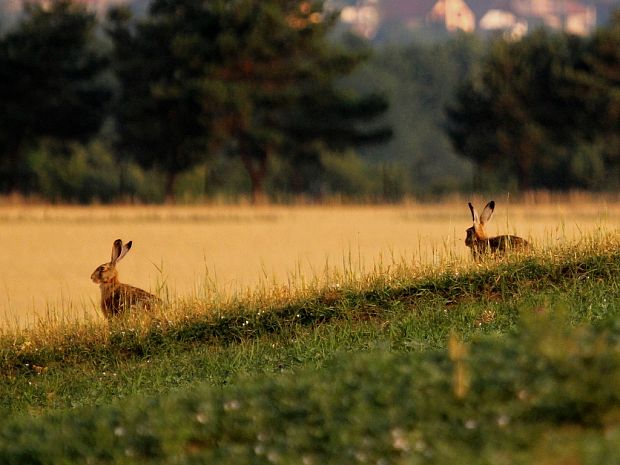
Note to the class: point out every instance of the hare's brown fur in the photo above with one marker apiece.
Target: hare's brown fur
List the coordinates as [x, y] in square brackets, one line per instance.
[481, 244]
[116, 297]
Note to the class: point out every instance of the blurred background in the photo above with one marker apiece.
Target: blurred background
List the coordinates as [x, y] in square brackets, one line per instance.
[370, 100]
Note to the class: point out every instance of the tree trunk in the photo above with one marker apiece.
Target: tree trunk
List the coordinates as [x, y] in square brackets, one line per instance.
[13, 181]
[524, 156]
[256, 166]
[524, 177]
[171, 178]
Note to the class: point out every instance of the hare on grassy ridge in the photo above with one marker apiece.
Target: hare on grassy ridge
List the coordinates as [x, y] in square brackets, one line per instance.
[481, 244]
[116, 297]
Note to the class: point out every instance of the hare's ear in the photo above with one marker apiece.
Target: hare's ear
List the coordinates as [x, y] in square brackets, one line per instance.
[474, 213]
[124, 250]
[117, 248]
[487, 212]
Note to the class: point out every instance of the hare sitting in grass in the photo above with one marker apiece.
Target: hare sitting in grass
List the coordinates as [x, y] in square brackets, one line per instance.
[116, 297]
[481, 244]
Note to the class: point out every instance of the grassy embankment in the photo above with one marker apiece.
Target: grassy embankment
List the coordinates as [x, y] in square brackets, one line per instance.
[515, 361]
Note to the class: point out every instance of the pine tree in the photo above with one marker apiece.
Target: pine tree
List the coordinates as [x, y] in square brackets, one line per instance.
[162, 63]
[522, 113]
[51, 84]
[254, 79]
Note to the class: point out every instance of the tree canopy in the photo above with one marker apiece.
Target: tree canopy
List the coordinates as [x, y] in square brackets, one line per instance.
[248, 96]
[51, 84]
[255, 79]
[539, 110]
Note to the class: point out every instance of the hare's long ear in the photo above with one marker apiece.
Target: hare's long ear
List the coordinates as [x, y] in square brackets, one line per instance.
[117, 248]
[487, 213]
[124, 250]
[474, 213]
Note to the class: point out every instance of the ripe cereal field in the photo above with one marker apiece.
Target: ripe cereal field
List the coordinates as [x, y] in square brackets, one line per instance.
[280, 326]
[191, 251]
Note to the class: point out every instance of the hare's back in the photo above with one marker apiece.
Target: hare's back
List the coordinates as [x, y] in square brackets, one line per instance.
[123, 297]
[136, 296]
[508, 243]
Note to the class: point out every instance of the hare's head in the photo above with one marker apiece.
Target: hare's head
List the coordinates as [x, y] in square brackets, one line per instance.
[106, 273]
[477, 232]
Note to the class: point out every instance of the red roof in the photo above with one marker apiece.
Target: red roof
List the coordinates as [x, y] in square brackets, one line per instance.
[572, 7]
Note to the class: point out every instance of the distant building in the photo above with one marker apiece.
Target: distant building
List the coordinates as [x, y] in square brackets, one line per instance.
[366, 16]
[513, 18]
[454, 14]
[578, 18]
[451, 14]
[572, 16]
[363, 17]
[505, 22]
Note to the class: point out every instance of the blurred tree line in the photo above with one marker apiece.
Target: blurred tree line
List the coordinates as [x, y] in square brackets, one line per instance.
[543, 112]
[100, 111]
[197, 99]
[420, 79]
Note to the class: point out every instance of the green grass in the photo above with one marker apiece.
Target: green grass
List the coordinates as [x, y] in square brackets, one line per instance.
[515, 361]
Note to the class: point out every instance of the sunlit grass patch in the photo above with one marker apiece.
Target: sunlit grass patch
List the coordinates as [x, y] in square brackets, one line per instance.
[391, 360]
[547, 391]
[214, 318]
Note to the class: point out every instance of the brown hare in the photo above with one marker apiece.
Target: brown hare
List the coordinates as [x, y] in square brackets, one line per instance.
[116, 298]
[481, 244]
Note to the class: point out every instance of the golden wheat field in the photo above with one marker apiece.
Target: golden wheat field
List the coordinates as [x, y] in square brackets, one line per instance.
[49, 252]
